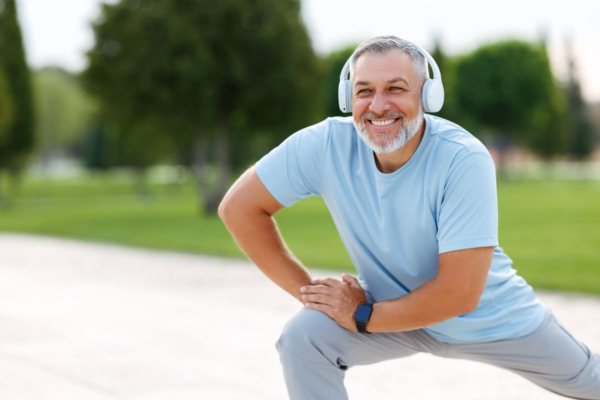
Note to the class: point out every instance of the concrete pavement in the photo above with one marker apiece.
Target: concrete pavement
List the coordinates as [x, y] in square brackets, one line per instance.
[83, 321]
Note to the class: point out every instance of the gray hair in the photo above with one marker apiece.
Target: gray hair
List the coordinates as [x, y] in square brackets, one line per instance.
[384, 44]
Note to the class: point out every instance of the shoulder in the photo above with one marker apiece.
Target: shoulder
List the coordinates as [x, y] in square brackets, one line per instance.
[340, 123]
[453, 139]
[330, 133]
[329, 127]
[326, 127]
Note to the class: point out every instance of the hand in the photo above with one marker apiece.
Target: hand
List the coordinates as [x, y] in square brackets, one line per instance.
[336, 298]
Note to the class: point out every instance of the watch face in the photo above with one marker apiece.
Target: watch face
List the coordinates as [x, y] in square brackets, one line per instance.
[363, 312]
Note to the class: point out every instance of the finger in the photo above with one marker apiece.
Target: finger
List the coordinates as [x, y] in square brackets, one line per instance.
[326, 282]
[350, 280]
[312, 289]
[332, 313]
[316, 299]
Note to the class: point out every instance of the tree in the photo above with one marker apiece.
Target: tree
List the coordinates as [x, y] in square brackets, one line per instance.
[546, 133]
[507, 89]
[18, 139]
[580, 129]
[128, 72]
[198, 77]
[332, 65]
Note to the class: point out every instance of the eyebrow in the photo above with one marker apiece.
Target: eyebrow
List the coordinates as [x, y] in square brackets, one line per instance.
[393, 80]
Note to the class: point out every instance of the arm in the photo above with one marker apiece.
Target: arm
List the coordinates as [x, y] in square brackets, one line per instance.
[246, 211]
[454, 291]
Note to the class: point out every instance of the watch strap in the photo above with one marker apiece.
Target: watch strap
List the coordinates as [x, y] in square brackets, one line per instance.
[362, 314]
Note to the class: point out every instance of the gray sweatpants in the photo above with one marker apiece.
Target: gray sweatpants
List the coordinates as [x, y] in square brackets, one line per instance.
[315, 352]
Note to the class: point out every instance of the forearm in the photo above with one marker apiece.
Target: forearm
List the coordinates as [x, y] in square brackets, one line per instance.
[256, 234]
[429, 304]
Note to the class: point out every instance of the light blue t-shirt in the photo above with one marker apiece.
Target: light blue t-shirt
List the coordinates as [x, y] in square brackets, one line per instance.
[394, 226]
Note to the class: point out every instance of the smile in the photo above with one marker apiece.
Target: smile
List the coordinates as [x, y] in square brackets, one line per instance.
[383, 122]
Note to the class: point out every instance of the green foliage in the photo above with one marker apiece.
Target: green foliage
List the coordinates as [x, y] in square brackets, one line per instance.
[128, 46]
[63, 110]
[548, 227]
[579, 128]
[546, 133]
[508, 88]
[332, 65]
[547, 130]
[181, 69]
[201, 81]
[18, 139]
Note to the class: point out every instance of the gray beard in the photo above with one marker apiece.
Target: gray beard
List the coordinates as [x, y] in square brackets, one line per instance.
[406, 132]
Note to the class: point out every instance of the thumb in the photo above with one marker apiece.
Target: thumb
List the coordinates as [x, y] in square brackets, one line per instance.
[350, 280]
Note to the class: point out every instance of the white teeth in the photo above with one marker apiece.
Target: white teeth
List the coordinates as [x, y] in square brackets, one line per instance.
[382, 122]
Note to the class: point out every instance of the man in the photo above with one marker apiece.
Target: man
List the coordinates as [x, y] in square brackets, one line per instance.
[413, 197]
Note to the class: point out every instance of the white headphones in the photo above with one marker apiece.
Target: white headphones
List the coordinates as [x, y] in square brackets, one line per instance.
[432, 94]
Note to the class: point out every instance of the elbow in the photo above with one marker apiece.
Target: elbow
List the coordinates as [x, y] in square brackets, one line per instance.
[225, 208]
[222, 210]
[467, 304]
[468, 307]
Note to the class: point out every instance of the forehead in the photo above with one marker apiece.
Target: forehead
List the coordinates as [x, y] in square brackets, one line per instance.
[376, 67]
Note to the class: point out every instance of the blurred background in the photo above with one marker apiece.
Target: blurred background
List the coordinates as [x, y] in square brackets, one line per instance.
[125, 121]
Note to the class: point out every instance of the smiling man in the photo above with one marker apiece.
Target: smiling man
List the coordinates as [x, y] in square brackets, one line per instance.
[413, 197]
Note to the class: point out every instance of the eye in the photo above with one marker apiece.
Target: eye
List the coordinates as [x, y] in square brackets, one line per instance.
[363, 92]
[397, 89]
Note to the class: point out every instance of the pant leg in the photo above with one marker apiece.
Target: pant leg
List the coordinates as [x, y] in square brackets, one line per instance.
[315, 353]
[549, 357]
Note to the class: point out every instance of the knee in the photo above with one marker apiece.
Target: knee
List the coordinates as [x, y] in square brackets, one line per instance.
[307, 334]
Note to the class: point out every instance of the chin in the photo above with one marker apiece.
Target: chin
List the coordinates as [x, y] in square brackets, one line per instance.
[387, 146]
[401, 137]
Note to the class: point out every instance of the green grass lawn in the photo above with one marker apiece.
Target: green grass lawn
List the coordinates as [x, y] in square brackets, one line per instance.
[550, 228]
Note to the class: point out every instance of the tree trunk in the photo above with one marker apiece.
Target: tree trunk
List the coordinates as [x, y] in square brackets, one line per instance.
[223, 161]
[200, 167]
[213, 182]
[223, 167]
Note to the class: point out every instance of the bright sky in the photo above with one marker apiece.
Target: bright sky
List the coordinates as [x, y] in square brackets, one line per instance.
[57, 32]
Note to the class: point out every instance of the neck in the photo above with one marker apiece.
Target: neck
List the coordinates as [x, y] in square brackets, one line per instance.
[390, 162]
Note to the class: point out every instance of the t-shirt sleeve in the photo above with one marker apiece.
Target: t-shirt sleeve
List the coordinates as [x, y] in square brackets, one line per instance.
[468, 215]
[292, 170]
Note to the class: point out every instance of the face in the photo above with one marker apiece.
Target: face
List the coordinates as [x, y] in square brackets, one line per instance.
[386, 100]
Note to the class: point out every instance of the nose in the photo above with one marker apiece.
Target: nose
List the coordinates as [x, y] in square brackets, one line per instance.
[380, 103]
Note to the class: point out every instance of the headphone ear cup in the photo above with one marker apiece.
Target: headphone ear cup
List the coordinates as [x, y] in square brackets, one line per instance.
[345, 95]
[432, 96]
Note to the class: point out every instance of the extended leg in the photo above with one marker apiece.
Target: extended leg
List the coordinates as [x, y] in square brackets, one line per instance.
[549, 357]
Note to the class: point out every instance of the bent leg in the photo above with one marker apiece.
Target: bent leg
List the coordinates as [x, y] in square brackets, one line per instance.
[315, 353]
[549, 357]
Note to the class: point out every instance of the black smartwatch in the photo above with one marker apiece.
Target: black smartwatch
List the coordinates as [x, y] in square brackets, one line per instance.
[362, 315]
